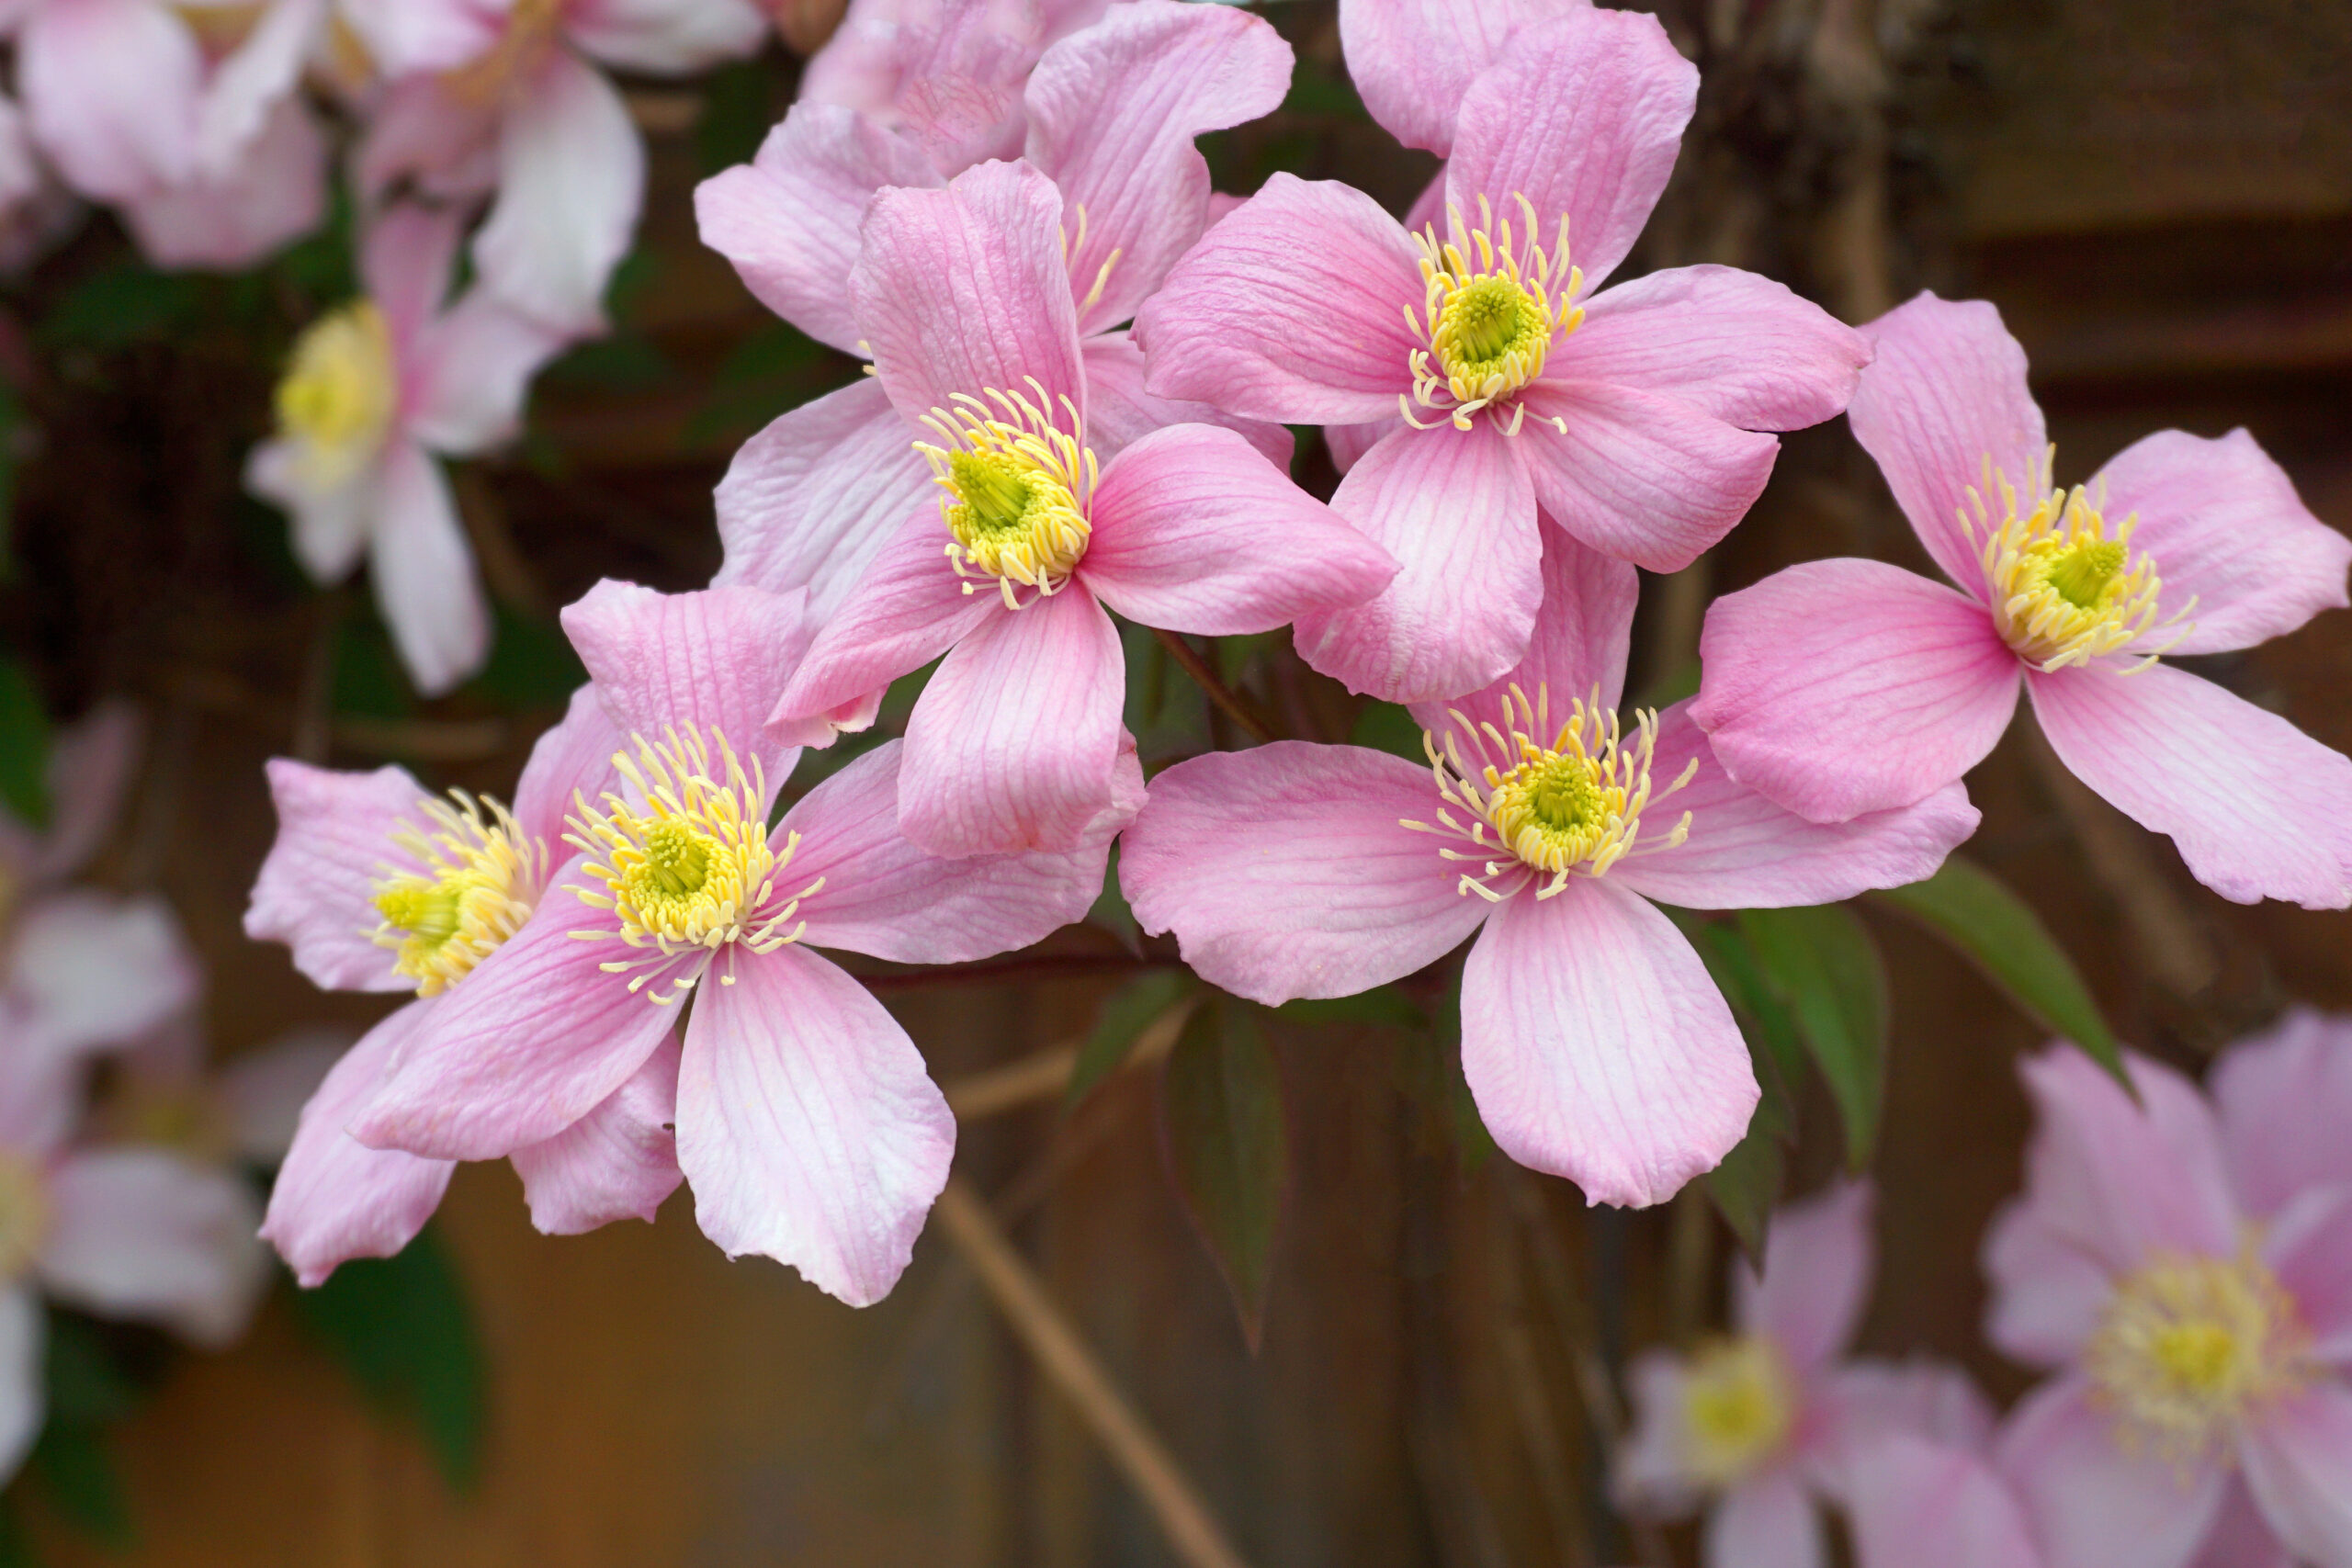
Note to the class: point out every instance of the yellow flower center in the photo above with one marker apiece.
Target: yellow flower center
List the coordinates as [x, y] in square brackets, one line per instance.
[2187, 1345]
[2065, 590]
[1562, 799]
[1492, 314]
[531, 31]
[1739, 1400]
[24, 1215]
[1017, 490]
[339, 394]
[483, 878]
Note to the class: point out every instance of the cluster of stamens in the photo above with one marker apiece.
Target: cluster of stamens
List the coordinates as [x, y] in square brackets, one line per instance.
[1017, 490]
[1560, 800]
[2187, 1345]
[2064, 591]
[1489, 314]
[481, 879]
[1739, 1401]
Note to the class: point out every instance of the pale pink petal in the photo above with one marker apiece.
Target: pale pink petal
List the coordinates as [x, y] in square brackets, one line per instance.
[2284, 1097]
[94, 969]
[423, 571]
[1114, 111]
[536, 1037]
[2297, 1459]
[315, 892]
[261, 1093]
[252, 82]
[446, 144]
[1818, 1257]
[1455, 509]
[1119, 409]
[1945, 397]
[575, 758]
[1916, 1504]
[330, 526]
[1736, 347]
[790, 219]
[1745, 852]
[1195, 532]
[1014, 744]
[2123, 1182]
[406, 259]
[1225, 328]
[1646, 477]
[2256, 807]
[1650, 1473]
[2224, 526]
[2240, 1538]
[665, 37]
[24, 1404]
[1284, 871]
[2048, 1292]
[112, 89]
[1842, 687]
[964, 290]
[619, 1162]
[570, 182]
[1413, 59]
[1767, 1521]
[1598, 1048]
[715, 659]
[2308, 1245]
[1349, 442]
[1583, 116]
[91, 764]
[2090, 1504]
[883, 895]
[335, 1199]
[1583, 633]
[408, 35]
[471, 371]
[144, 1233]
[275, 194]
[911, 607]
[42, 1093]
[1857, 1402]
[808, 1126]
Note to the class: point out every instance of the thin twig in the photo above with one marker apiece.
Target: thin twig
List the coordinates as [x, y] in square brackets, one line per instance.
[1223, 695]
[1044, 1074]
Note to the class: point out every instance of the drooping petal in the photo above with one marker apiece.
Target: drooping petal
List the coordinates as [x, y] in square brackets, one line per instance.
[1917, 1504]
[1583, 633]
[1841, 687]
[406, 259]
[315, 892]
[144, 1233]
[1583, 116]
[335, 1198]
[1284, 871]
[1744, 852]
[2090, 1503]
[1765, 1522]
[1291, 308]
[1644, 476]
[42, 1093]
[1650, 1473]
[666, 38]
[446, 143]
[470, 372]
[808, 1126]
[2284, 1096]
[2048, 1292]
[1014, 744]
[911, 607]
[424, 572]
[1413, 59]
[274, 194]
[1943, 399]
[94, 969]
[1455, 511]
[2256, 807]
[1195, 532]
[619, 1162]
[1858, 1401]
[24, 1403]
[1119, 411]
[2297, 1458]
[1596, 1047]
[571, 182]
[575, 758]
[112, 89]
[1818, 1257]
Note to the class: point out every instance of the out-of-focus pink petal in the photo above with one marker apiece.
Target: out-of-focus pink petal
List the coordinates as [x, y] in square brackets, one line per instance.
[1119, 411]
[2090, 1504]
[2225, 527]
[666, 38]
[2308, 1245]
[252, 82]
[2298, 1459]
[335, 1199]
[90, 768]
[571, 182]
[619, 1162]
[274, 194]
[1766, 1521]
[1413, 59]
[1196, 531]
[1284, 871]
[1583, 116]
[1745, 852]
[2123, 1182]
[573, 757]
[333, 841]
[112, 89]
[1349, 442]
[1643, 477]
[1858, 1401]
[1114, 111]
[1292, 309]
[1817, 1278]
[472, 371]
[911, 607]
[2048, 1292]
[715, 659]
[1014, 744]
[2256, 807]
[2241, 1537]
[24, 1403]
[1596, 1047]
[445, 143]
[808, 1126]
[330, 526]
[964, 290]
[42, 1091]
[2284, 1097]
[1736, 347]
[1579, 647]
[1840, 687]
[1455, 511]
[406, 259]
[262, 1093]
[1944, 396]
[424, 572]
[1916, 1504]
[1650, 1473]
[94, 969]
[410, 36]
[790, 219]
[143, 1234]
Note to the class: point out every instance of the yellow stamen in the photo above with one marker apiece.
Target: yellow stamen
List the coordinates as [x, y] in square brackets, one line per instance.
[339, 393]
[482, 880]
[24, 1215]
[2186, 1345]
[1017, 488]
[1491, 315]
[1739, 1400]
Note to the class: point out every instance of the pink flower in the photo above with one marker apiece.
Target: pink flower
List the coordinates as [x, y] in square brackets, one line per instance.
[1758, 1425]
[806, 1122]
[1913, 1502]
[2283, 1098]
[374, 391]
[500, 94]
[378, 886]
[1110, 114]
[1846, 686]
[1413, 63]
[1632, 420]
[2201, 1413]
[1594, 1041]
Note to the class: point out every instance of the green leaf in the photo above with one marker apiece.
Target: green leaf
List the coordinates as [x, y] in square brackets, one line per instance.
[1383, 1006]
[738, 106]
[401, 1327]
[24, 747]
[1996, 930]
[124, 304]
[76, 1470]
[1764, 1018]
[1126, 1013]
[1221, 1112]
[1384, 726]
[84, 1383]
[1822, 964]
[531, 664]
[1110, 911]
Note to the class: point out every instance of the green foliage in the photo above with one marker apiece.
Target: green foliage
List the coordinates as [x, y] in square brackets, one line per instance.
[1824, 967]
[127, 303]
[768, 374]
[75, 1469]
[738, 106]
[1386, 727]
[1165, 711]
[1221, 1112]
[368, 681]
[1747, 1185]
[1110, 911]
[1126, 1013]
[24, 747]
[1383, 1007]
[531, 664]
[84, 1383]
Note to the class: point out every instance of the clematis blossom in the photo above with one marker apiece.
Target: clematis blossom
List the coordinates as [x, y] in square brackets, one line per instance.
[374, 394]
[2201, 1414]
[1632, 418]
[806, 1125]
[1594, 1042]
[1109, 114]
[2180, 545]
[1765, 1425]
[2282, 1099]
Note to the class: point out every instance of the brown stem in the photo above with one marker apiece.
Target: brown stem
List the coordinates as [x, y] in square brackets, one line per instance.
[1044, 1074]
[1224, 697]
